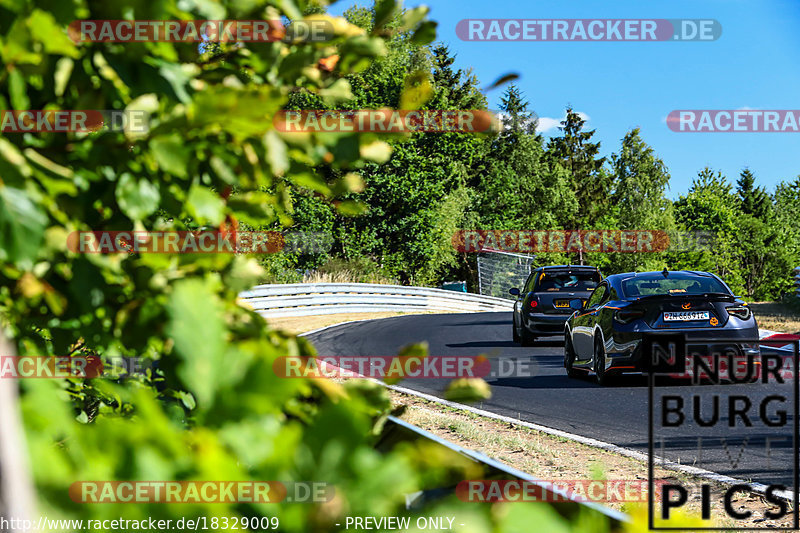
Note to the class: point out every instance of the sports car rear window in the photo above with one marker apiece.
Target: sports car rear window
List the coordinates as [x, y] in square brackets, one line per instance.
[634, 287]
[567, 281]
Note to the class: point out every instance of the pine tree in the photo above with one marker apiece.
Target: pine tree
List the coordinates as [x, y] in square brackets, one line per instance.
[754, 200]
[575, 152]
[640, 180]
[456, 89]
[516, 116]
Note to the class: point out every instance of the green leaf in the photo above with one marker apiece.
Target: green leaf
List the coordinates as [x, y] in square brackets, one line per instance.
[204, 205]
[377, 151]
[17, 90]
[289, 8]
[109, 72]
[17, 47]
[384, 11]
[147, 103]
[178, 77]
[351, 208]
[240, 112]
[468, 390]
[425, 34]
[311, 181]
[137, 198]
[14, 168]
[62, 74]
[502, 80]
[22, 225]
[198, 330]
[13, 5]
[171, 153]
[222, 169]
[417, 90]
[337, 92]
[412, 17]
[187, 399]
[277, 154]
[410, 357]
[253, 207]
[46, 30]
[358, 53]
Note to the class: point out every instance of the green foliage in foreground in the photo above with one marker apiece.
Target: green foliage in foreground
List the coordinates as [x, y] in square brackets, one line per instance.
[211, 406]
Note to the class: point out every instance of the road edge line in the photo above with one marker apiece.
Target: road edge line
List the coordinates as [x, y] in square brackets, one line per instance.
[758, 488]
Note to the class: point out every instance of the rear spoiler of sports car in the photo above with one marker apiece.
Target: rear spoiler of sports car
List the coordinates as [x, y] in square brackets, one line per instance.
[709, 296]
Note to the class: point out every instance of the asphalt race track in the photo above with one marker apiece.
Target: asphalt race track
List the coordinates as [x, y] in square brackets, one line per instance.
[617, 414]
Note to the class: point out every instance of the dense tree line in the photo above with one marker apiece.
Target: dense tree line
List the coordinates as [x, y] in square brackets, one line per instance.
[436, 183]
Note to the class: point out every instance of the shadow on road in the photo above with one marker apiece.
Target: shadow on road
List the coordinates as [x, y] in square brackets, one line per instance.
[543, 382]
[483, 344]
[505, 344]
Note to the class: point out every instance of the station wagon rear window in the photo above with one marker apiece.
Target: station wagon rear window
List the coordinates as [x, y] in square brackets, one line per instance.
[567, 281]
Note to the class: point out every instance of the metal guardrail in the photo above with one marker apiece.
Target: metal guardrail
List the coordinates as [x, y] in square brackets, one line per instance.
[306, 299]
[398, 431]
[797, 282]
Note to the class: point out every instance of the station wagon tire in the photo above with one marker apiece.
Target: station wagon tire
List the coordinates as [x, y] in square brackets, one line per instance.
[569, 359]
[527, 339]
[514, 334]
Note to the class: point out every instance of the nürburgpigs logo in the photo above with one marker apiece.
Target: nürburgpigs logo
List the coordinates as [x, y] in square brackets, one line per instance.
[741, 410]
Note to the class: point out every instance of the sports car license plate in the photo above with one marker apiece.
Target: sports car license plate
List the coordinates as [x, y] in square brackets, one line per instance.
[686, 316]
[562, 303]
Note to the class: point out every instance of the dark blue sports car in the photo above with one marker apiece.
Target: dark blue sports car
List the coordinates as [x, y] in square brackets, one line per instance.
[604, 334]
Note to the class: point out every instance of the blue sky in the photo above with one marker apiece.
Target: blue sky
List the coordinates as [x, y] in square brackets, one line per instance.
[623, 85]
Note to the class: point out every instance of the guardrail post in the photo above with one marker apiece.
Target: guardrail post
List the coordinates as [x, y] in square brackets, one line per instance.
[16, 487]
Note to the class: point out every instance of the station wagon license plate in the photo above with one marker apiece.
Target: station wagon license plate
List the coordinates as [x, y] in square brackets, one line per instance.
[561, 303]
[686, 316]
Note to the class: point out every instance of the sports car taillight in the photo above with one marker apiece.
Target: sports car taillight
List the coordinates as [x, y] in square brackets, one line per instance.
[740, 311]
[534, 302]
[624, 316]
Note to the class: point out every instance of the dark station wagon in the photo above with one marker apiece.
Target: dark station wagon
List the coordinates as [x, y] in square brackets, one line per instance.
[543, 305]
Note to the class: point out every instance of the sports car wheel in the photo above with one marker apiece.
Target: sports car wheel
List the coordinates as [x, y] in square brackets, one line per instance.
[599, 363]
[569, 358]
[514, 334]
